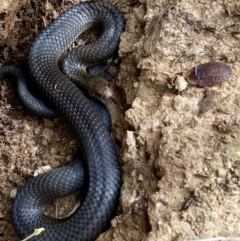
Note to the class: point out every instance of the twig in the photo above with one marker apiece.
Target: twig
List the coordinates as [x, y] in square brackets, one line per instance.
[44, 21]
[207, 200]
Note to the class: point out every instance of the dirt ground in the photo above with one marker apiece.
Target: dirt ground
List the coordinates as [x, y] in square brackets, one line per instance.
[173, 150]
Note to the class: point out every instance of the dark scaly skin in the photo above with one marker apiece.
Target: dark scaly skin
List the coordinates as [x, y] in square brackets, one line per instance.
[28, 99]
[102, 169]
[39, 107]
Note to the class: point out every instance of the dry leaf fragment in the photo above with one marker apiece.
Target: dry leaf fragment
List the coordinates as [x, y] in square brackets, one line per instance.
[153, 34]
[154, 30]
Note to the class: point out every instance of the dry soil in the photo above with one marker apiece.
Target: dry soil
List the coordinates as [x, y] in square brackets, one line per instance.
[174, 148]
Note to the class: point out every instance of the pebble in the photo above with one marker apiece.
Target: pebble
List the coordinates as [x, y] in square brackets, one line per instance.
[222, 172]
[53, 151]
[27, 127]
[49, 123]
[180, 83]
[13, 193]
[69, 158]
[57, 137]
[37, 130]
[42, 170]
[140, 178]
[44, 142]
[48, 134]
[133, 173]
[33, 151]
[221, 181]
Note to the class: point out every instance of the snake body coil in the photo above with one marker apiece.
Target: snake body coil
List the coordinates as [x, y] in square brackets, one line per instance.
[102, 171]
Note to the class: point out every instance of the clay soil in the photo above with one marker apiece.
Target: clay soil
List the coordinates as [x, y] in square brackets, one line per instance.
[174, 148]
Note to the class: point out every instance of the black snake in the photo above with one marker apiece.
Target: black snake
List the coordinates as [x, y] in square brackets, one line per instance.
[102, 171]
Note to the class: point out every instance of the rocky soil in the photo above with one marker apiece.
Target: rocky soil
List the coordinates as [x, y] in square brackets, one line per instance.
[179, 149]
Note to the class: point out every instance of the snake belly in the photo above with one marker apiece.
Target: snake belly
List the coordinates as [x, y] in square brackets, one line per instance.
[102, 169]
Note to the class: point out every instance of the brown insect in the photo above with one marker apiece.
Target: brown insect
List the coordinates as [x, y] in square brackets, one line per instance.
[209, 74]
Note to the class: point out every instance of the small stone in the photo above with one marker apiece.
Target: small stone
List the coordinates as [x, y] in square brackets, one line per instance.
[33, 151]
[55, 14]
[39, 162]
[180, 83]
[42, 170]
[48, 123]
[222, 172]
[53, 151]
[13, 193]
[26, 171]
[140, 178]
[179, 103]
[57, 137]
[48, 134]
[69, 158]
[135, 84]
[140, 12]
[133, 173]
[205, 169]
[228, 176]
[221, 181]
[44, 142]
[37, 130]
[27, 127]
[62, 152]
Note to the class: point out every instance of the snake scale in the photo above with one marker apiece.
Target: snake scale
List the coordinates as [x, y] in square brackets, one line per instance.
[101, 167]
